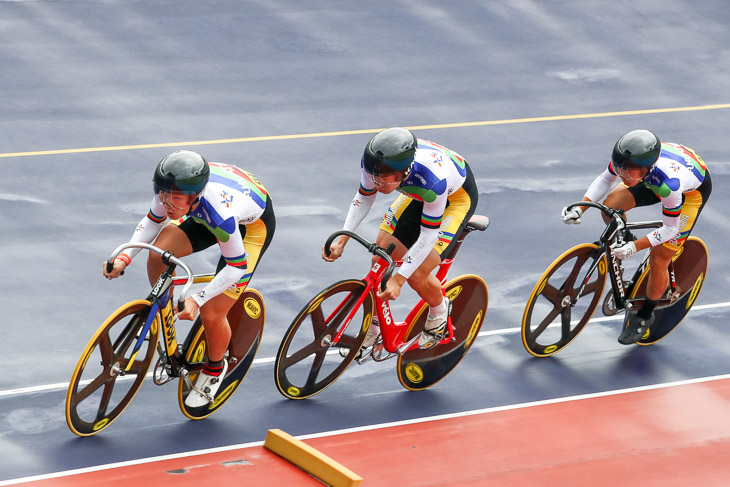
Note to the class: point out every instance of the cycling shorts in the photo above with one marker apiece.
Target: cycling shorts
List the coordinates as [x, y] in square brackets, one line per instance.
[406, 213]
[692, 204]
[256, 239]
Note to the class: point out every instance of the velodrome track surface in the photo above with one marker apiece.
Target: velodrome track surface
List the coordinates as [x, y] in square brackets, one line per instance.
[93, 94]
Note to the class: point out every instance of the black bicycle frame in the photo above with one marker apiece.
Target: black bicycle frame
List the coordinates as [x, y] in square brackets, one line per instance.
[620, 290]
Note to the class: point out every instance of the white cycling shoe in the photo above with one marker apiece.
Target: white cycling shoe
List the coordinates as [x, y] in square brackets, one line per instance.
[434, 328]
[205, 388]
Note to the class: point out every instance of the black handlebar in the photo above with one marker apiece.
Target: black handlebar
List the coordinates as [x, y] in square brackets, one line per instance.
[612, 212]
[371, 247]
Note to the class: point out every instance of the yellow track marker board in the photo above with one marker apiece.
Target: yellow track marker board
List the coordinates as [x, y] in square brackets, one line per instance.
[310, 460]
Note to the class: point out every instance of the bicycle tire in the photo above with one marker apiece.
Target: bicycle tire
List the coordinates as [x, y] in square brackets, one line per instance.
[690, 271]
[558, 283]
[305, 365]
[246, 318]
[95, 397]
[420, 369]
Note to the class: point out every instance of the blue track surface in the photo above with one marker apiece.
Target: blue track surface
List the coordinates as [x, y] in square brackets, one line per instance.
[94, 93]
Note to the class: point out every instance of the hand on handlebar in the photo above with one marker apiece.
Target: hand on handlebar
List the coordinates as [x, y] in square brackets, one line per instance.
[625, 251]
[117, 269]
[336, 249]
[392, 288]
[572, 216]
[190, 312]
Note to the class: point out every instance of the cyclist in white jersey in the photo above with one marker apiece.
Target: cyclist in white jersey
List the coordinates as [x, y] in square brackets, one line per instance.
[438, 195]
[208, 204]
[651, 172]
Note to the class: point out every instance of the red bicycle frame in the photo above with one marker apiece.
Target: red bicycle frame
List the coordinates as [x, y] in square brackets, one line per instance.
[393, 332]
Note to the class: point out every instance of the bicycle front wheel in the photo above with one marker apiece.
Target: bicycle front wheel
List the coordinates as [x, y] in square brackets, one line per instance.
[550, 322]
[246, 318]
[308, 360]
[111, 369]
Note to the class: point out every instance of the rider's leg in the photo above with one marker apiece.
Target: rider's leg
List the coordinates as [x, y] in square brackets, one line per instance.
[619, 199]
[217, 336]
[658, 278]
[422, 280]
[172, 239]
[217, 329]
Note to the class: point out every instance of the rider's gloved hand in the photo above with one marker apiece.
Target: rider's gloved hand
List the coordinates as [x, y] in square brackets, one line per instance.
[624, 251]
[572, 216]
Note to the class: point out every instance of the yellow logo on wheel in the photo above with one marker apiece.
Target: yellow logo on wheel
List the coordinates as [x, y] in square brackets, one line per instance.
[223, 395]
[414, 373]
[366, 322]
[541, 287]
[315, 305]
[473, 330]
[695, 291]
[454, 292]
[101, 424]
[252, 308]
[199, 352]
[293, 391]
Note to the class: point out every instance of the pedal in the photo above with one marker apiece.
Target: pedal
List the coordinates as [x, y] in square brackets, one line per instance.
[609, 307]
[364, 355]
[407, 346]
[162, 374]
[379, 353]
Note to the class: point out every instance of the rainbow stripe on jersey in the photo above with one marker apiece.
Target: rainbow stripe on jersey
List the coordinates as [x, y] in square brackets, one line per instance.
[239, 180]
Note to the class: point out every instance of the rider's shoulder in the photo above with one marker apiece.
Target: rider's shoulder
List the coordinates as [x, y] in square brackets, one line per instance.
[663, 178]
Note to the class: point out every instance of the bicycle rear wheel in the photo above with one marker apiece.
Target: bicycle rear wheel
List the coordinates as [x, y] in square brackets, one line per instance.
[420, 369]
[690, 271]
[307, 361]
[549, 323]
[246, 318]
[109, 372]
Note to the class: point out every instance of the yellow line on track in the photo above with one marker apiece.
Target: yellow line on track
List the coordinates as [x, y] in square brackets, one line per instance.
[368, 131]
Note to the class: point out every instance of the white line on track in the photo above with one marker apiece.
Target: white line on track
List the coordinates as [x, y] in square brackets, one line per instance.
[367, 428]
[268, 360]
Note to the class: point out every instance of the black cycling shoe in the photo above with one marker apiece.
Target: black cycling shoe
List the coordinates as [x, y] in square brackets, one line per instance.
[635, 329]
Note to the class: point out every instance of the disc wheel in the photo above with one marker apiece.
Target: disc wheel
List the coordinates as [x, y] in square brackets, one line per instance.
[690, 272]
[550, 322]
[308, 360]
[111, 369]
[246, 318]
[420, 369]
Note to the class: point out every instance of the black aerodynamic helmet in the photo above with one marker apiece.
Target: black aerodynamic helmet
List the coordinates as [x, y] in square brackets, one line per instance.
[391, 150]
[638, 147]
[182, 171]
